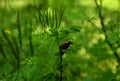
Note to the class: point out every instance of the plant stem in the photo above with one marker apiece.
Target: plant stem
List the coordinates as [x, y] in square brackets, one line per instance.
[19, 29]
[99, 6]
[60, 77]
[30, 40]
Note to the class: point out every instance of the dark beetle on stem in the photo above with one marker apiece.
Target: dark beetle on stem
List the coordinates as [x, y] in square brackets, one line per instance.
[65, 45]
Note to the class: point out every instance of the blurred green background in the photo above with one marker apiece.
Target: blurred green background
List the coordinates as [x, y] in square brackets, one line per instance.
[31, 32]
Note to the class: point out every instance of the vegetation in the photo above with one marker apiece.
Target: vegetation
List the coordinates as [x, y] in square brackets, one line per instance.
[59, 40]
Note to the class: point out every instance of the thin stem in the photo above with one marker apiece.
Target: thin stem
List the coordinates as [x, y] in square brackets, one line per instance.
[30, 40]
[99, 6]
[19, 29]
[10, 44]
[1, 49]
[94, 25]
[18, 57]
[61, 53]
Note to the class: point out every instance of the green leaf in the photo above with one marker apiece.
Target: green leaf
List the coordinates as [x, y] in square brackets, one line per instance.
[6, 69]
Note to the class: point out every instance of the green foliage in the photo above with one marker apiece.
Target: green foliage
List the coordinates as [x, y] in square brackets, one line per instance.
[31, 34]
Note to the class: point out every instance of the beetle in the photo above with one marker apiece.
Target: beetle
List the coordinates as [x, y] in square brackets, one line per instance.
[65, 45]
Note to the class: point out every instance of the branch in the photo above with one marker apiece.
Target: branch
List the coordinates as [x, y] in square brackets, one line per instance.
[99, 6]
[101, 16]
[30, 40]
[82, 11]
[10, 44]
[19, 29]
